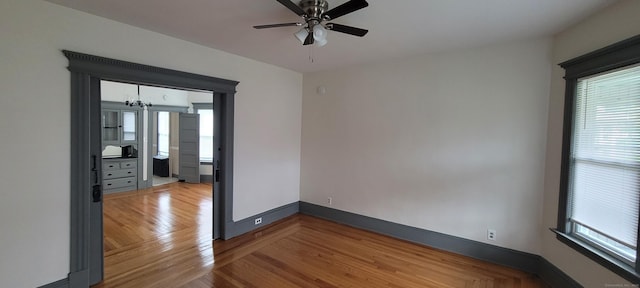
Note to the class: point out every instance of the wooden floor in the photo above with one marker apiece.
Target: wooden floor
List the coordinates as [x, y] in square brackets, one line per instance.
[161, 238]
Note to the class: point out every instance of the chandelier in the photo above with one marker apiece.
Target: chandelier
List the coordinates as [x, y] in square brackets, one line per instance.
[133, 102]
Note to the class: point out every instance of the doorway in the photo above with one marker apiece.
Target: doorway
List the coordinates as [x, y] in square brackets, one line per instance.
[165, 147]
[86, 165]
[146, 223]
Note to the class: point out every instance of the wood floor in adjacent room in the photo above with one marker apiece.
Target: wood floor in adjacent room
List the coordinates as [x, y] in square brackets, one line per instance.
[161, 237]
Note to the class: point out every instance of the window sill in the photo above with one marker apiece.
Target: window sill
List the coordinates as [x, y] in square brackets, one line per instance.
[614, 265]
[206, 163]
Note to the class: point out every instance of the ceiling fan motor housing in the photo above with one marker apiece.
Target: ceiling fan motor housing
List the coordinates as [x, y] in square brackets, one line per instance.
[314, 8]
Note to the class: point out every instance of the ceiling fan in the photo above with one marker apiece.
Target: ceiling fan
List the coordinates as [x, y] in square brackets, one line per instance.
[314, 14]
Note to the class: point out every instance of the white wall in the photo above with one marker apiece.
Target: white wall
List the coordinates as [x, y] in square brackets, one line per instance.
[117, 91]
[120, 92]
[199, 97]
[450, 142]
[35, 124]
[163, 96]
[615, 23]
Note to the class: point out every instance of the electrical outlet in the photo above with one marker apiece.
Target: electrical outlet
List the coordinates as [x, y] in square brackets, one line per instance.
[491, 234]
[258, 221]
[329, 200]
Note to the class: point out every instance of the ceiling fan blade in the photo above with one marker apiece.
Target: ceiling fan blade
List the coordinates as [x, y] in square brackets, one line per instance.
[309, 39]
[292, 6]
[277, 25]
[347, 29]
[346, 8]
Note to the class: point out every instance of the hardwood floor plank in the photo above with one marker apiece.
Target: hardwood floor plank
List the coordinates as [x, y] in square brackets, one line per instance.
[161, 237]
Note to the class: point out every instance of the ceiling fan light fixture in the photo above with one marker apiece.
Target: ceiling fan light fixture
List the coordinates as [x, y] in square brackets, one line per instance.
[319, 33]
[314, 13]
[321, 42]
[302, 34]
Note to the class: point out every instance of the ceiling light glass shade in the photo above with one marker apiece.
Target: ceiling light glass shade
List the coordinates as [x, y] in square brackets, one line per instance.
[319, 33]
[321, 42]
[302, 34]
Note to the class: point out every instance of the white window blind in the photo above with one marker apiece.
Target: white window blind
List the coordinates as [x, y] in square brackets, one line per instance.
[163, 133]
[605, 156]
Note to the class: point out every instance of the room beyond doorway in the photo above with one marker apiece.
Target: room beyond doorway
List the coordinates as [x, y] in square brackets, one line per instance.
[147, 119]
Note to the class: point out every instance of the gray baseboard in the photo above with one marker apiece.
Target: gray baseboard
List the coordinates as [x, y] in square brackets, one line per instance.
[553, 276]
[234, 229]
[79, 279]
[523, 261]
[63, 283]
[206, 178]
[495, 254]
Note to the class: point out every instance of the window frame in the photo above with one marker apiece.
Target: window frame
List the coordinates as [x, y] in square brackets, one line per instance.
[618, 55]
[203, 106]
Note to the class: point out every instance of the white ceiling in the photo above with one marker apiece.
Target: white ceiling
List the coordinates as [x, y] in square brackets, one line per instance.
[397, 28]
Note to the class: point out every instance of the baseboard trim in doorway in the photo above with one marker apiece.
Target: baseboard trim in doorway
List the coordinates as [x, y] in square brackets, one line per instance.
[206, 178]
[233, 229]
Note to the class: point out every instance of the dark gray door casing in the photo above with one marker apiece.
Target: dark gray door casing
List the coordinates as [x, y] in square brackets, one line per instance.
[189, 159]
[86, 71]
[216, 164]
[96, 269]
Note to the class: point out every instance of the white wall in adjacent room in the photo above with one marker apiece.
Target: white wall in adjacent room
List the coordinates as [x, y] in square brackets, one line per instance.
[121, 92]
[199, 97]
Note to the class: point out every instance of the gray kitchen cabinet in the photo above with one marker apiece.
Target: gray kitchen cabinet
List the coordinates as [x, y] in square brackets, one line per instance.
[119, 126]
[110, 127]
[119, 175]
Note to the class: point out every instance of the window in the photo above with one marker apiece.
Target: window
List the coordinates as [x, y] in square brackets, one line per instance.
[206, 130]
[128, 125]
[206, 135]
[600, 186]
[163, 133]
[605, 161]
